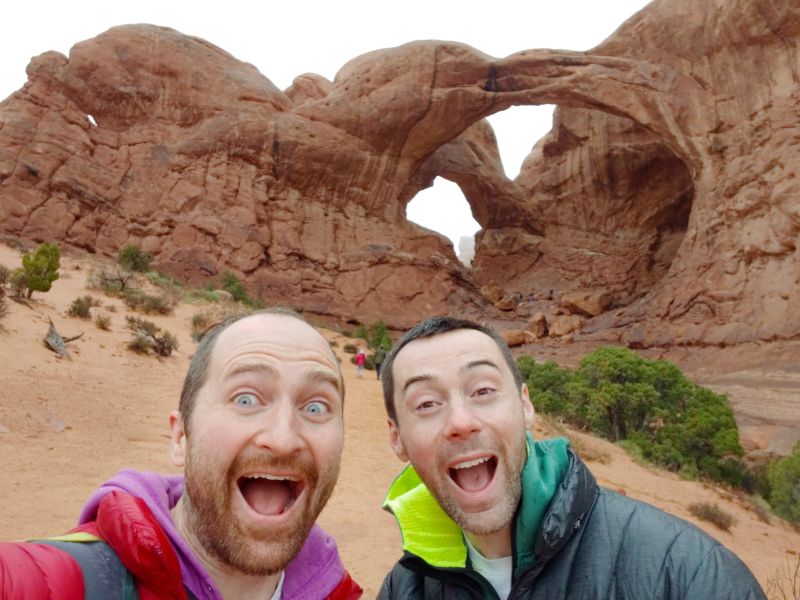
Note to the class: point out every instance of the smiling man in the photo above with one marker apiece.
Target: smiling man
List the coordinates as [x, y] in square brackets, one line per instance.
[259, 435]
[486, 512]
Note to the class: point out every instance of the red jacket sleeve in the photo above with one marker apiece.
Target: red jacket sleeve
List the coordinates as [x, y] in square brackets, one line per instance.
[38, 572]
[346, 590]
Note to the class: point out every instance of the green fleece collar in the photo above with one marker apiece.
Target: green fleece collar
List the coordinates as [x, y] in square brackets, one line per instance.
[434, 537]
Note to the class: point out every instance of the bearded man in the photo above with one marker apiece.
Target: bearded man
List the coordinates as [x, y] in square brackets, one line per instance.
[259, 435]
[488, 513]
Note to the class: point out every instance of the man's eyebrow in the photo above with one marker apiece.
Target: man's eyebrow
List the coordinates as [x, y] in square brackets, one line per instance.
[325, 376]
[480, 363]
[250, 367]
[416, 379]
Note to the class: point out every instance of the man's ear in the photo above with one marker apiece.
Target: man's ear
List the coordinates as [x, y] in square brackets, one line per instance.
[527, 406]
[395, 442]
[177, 439]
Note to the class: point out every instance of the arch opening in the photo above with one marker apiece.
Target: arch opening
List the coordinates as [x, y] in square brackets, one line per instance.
[444, 209]
[517, 130]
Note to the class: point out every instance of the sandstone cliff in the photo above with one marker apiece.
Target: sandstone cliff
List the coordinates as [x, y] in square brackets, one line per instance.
[669, 180]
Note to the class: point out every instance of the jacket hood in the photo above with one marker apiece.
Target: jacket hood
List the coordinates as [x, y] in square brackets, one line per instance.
[314, 572]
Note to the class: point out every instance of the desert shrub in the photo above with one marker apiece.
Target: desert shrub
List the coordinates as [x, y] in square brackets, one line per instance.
[141, 343]
[136, 324]
[110, 283]
[200, 323]
[234, 286]
[333, 344]
[147, 336]
[133, 258]
[369, 362]
[40, 269]
[165, 343]
[713, 514]
[783, 475]
[163, 281]
[19, 283]
[617, 394]
[3, 307]
[5, 273]
[102, 321]
[139, 300]
[350, 348]
[376, 335]
[785, 583]
[82, 307]
[201, 295]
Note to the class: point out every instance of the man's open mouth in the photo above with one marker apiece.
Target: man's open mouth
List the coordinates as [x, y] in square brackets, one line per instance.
[474, 475]
[270, 495]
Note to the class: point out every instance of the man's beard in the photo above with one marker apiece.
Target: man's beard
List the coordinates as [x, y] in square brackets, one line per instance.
[499, 516]
[222, 534]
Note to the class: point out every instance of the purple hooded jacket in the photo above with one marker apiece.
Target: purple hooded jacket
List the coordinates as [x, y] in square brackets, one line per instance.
[314, 573]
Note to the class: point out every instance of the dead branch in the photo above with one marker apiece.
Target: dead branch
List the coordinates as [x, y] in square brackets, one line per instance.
[56, 343]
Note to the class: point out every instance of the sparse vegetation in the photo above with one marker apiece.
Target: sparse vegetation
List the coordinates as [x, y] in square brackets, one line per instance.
[200, 324]
[649, 403]
[81, 307]
[713, 514]
[785, 584]
[147, 337]
[783, 476]
[201, 295]
[376, 335]
[133, 258]
[19, 283]
[112, 284]
[3, 307]
[40, 269]
[140, 301]
[234, 286]
[350, 348]
[5, 273]
[102, 321]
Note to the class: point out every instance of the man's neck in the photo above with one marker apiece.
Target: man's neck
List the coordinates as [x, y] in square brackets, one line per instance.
[493, 545]
[230, 582]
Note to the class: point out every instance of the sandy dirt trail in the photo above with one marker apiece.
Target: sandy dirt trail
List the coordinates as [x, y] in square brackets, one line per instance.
[67, 426]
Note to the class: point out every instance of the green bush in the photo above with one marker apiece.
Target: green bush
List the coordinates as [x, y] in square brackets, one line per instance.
[5, 273]
[133, 258]
[650, 403]
[40, 269]
[233, 285]
[376, 335]
[361, 332]
[136, 324]
[713, 514]
[112, 284]
[783, 475]
[148, 337]
[350, 348]
[140, 343]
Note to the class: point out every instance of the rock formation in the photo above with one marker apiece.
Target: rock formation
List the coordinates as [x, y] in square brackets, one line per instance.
[668, 187]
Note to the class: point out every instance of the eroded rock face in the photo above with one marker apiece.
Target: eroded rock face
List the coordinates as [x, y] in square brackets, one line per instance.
[669, 183]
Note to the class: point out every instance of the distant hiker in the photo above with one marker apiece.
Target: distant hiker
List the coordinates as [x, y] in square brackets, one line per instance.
[380, 356]
[259, 435]
[486, 512]
[361, 360]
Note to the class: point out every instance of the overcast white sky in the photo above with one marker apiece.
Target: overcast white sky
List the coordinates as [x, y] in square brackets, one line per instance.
[285, 39]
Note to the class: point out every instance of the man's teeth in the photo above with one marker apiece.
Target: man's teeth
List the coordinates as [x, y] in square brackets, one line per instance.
[471, 463]
[272, 477]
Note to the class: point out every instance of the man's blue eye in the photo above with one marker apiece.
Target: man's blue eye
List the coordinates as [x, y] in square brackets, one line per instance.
[316, 408]
[245, 400]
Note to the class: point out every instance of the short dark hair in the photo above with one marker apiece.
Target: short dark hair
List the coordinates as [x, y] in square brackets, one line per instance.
[197, 374]
[430, 328]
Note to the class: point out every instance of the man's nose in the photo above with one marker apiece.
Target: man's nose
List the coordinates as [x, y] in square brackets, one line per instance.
[279, 430]
[462, 422]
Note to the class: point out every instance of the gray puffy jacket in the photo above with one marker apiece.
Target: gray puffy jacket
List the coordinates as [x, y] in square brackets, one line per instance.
[594, 543]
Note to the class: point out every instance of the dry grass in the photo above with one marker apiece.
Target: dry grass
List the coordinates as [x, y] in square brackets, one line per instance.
[785, 584]
[713, 514]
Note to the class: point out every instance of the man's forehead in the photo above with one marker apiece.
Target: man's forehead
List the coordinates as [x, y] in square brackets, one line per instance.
[459, 347]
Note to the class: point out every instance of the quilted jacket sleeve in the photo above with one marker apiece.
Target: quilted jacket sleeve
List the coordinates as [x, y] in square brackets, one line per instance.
[38, 572]
[722, 575]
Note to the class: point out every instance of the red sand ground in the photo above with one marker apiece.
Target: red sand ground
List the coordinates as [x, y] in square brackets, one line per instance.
[67, 426]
